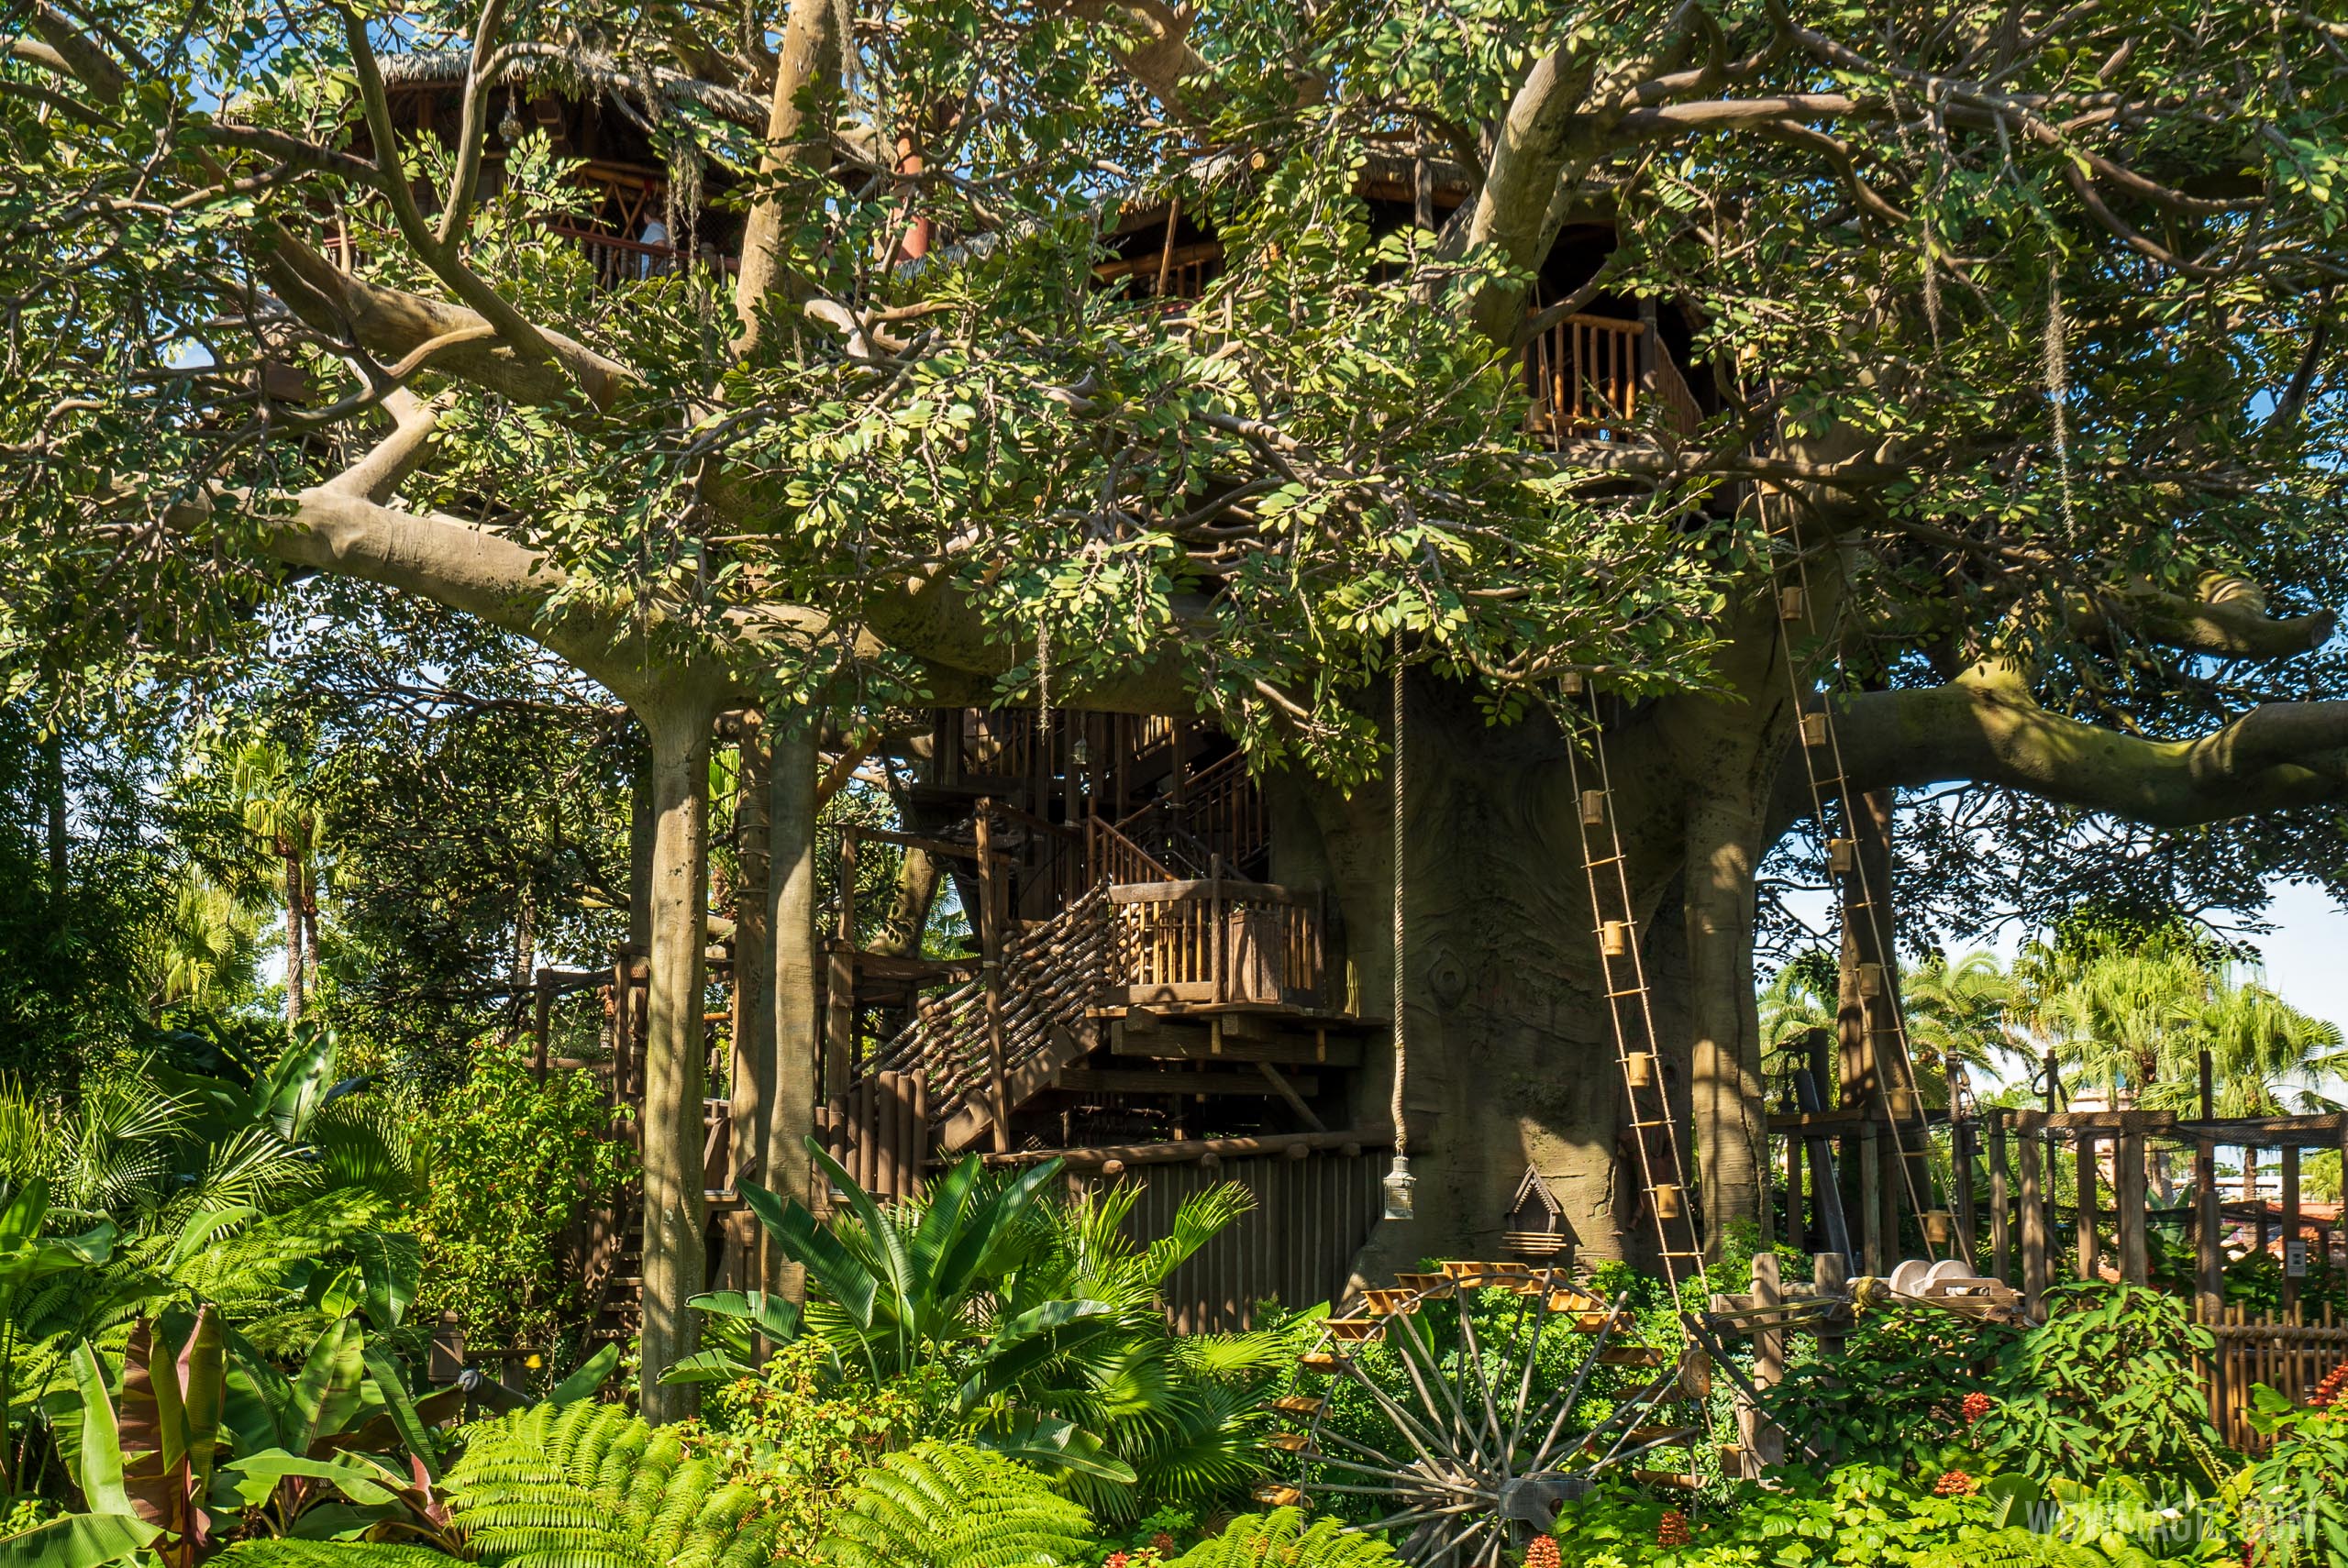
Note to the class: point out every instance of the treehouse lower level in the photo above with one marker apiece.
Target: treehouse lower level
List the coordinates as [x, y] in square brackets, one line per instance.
[1143, 999]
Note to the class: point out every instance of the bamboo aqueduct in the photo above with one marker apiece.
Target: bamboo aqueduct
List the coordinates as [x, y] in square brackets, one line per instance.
[1170, 986]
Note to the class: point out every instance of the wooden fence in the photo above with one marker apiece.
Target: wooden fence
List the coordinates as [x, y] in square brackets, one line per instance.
[2289, 1353]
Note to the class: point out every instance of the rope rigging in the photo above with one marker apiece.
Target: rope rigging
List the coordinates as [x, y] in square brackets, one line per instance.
[1398, 1182]
[1816, 737]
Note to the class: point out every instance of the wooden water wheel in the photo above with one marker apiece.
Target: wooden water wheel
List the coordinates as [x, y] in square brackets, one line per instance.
[1476, 1444]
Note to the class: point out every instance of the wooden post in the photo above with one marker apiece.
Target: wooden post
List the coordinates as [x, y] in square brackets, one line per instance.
[2084, 1177]
[2210, 1292]
[1764, 1442]
[990, 965]
[2036, 1252]
[1218, 958]
[840, 1018]
[2290, 1222]
[2128, 1203]
[1797, 1233]
[2209, 1097]
[1829, 1273]
[1961, 1136]
[1871, 1241]
[2001, 1239]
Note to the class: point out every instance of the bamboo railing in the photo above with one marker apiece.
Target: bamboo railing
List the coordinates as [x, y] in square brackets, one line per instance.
[1217, 942]
[2289, 1353]
[1592, 377]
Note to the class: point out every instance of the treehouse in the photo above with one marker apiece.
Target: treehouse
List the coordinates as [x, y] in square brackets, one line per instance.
[1155, 982]
[629, 225]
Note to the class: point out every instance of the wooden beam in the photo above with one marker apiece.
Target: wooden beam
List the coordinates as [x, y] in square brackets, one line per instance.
[1194, 1043]
[1295, 1101]
[1353, 1140]
[1143, 1080]
[1871, 1239]
[1962, 1136]
[2209, 1253]
[991, 967]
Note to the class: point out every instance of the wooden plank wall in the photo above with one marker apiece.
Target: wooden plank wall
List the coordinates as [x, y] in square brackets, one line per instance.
[2288, 1353]
[1296, 1245]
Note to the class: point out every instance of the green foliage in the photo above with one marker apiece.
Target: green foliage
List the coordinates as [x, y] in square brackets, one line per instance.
[1283, 1538]
[1894, 1396]
[2294, 1500]
[1046, 1321]
[800, 1430]
[950, 1506]
[589, 1485]
[510, 1160]
[2107, 1384]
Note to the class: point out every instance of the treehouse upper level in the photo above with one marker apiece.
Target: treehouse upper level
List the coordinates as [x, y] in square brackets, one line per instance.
[1595, 363]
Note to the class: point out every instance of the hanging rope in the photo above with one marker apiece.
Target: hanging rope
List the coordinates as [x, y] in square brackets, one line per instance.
[2058, 392]
[1402, 1139]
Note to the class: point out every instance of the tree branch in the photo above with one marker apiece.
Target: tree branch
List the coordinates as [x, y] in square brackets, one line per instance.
[1985, 728]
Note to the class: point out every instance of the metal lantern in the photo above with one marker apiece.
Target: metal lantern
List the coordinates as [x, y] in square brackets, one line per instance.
[510, 127]
[1398, 1185]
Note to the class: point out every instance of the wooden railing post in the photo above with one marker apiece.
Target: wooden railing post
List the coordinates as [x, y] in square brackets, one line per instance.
[991, 967]
[2128, 1200]
[2292, 1241]
[2036, 1252]
[2084, 1179]
[2001, 1246]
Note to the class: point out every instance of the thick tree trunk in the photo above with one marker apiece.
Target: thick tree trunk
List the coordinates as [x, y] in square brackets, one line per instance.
[675, 890]
[641, 814]
[798, 1015]
[1729, 1130]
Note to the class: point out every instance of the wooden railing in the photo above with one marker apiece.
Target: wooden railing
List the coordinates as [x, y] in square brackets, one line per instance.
[2290, 1354]
[1111, 856]
[1217, 942]
[614, 259]
[1221, 812]
[1592, 377]
[1186, 269]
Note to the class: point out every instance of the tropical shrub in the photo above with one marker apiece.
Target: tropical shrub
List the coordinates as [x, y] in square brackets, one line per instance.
[1043, 1318]
[951, 1506]
[509, 1159]
[2106, 1385]
[1895, 1396]
[802, 1429]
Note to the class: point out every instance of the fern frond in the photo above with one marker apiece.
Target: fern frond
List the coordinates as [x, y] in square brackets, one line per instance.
[951, 1506]
[589, 1485]
[1282, 1539]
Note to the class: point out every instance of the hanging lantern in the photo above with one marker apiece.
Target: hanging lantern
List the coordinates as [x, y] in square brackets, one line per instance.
[1792, 603]
[1639, 1067]
[1940, 1227]
[1593, 808]
[1670, 1203]
[1398, 1185]
[510, 127]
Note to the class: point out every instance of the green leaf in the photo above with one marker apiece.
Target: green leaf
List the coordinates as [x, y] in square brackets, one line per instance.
[586, 1378]
[101, 1445]
[390, 1382]
[77, 1540]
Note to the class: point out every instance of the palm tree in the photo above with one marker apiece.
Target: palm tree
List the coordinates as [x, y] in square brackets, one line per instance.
[2265, 1057]
[1955, 1015]
[1799, 1003]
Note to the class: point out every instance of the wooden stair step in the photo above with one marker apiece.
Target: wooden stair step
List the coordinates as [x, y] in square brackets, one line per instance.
[1320, 1361]
[1299, 1404]
[1668, 1479]
[1289, 1443]
[1391, 1303]
[1632, 1355]
[1353, 1328]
